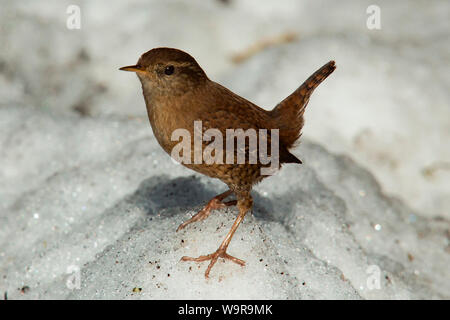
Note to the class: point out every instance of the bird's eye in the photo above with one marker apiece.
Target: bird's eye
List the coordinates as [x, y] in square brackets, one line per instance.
[169, 70]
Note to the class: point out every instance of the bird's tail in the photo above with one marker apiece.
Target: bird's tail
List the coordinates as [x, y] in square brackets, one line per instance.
[288, 114]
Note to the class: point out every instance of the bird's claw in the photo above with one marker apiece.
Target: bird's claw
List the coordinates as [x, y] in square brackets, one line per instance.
[213, 204]
[220, 253]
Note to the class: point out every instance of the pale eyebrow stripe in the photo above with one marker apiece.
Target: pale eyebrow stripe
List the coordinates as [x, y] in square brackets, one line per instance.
[181, 64]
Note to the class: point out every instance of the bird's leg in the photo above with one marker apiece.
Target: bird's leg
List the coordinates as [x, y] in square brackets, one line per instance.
[244, 205]
[214, 203]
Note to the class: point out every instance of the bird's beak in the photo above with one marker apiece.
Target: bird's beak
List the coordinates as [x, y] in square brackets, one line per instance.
[135, 68]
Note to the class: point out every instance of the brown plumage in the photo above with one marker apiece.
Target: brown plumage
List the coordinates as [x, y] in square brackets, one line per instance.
[178, 92]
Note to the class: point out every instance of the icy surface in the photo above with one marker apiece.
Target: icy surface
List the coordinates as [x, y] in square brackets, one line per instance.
[110, 204]
[84, 186]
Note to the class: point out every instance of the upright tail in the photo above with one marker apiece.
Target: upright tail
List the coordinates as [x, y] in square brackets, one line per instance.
[288, 114]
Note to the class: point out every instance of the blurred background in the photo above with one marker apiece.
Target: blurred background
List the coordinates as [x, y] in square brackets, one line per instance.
[386, 106]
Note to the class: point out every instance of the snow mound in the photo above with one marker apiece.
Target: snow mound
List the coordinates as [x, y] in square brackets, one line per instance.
[93, 214]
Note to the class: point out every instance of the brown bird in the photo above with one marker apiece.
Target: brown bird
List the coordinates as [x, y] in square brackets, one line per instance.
[178, 92]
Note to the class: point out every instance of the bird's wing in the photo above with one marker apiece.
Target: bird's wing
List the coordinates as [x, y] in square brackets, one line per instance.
[223, 109]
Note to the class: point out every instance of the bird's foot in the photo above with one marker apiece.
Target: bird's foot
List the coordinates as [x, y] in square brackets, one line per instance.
[220, 253]
[214, 203]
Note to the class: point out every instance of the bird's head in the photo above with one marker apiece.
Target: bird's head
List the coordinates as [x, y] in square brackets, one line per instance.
[167, 71]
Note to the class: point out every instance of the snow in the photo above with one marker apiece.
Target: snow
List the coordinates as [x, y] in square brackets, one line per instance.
[87, 194]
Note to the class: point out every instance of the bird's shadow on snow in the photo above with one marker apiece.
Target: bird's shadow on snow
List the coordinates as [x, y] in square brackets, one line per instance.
[189, 193]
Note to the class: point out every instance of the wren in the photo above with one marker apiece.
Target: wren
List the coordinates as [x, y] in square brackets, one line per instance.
[177, 93]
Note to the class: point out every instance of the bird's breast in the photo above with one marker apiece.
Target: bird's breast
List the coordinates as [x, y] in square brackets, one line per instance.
[167, 121]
